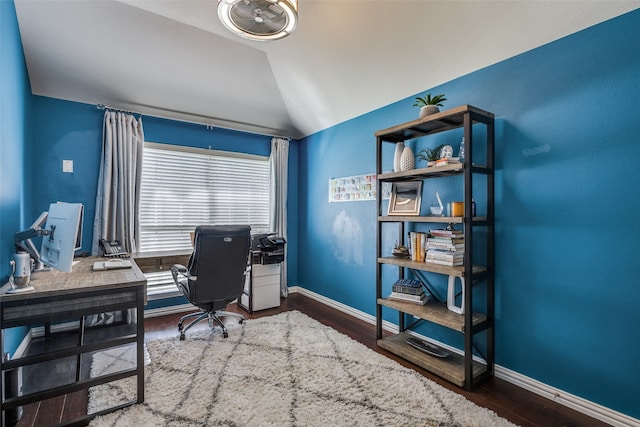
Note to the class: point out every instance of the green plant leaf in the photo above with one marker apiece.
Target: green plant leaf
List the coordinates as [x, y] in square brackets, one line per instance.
[430, 154]
[429, 100]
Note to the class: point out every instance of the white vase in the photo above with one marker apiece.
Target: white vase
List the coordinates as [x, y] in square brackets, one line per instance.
[397, 155]
[407, 160]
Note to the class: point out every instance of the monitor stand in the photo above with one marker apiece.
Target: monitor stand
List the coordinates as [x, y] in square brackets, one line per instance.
[21, 290]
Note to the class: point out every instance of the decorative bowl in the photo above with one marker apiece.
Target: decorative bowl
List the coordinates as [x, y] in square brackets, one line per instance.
[436, 210]
[400, 252]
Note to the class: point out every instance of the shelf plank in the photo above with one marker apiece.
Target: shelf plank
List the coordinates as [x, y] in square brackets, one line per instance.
[450, 368]
[428, 266]
[431, 171]
[433, 123]
[415, 218]
[477, 220]
[435, 313]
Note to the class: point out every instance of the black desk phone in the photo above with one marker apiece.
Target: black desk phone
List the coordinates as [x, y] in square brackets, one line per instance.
[113, 248]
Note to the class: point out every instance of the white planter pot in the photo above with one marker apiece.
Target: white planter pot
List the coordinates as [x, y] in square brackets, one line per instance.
[428, 109]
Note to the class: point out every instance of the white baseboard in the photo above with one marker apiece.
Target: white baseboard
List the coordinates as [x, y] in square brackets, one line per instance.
[576, 403]
[173, 309]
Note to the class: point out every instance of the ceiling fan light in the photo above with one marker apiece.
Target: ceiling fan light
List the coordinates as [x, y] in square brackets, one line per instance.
[259, 19]
[291, 8]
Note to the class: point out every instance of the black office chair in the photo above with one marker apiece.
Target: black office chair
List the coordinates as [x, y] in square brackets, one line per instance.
[216, 275]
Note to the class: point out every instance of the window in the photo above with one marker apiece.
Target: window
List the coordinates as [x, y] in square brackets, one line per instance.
[185, 187]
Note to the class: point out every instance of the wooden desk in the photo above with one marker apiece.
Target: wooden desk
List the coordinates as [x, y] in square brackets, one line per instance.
[61, 297]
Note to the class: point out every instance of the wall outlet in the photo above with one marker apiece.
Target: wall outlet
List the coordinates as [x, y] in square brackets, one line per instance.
[67, 166]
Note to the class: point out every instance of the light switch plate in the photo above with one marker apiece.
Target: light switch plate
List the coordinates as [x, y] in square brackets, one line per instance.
[67, 166]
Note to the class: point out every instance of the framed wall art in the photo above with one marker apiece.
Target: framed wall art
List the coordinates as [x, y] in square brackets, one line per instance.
[405, 198]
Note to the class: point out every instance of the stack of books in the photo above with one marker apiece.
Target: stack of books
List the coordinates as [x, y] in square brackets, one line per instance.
[409, 290]
[445, 247]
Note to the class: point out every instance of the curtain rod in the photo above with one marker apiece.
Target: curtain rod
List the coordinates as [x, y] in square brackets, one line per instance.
[209, 126]
[119, 110]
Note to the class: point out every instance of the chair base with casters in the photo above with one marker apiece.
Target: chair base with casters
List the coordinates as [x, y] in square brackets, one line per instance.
[213, 317]
[216, 275]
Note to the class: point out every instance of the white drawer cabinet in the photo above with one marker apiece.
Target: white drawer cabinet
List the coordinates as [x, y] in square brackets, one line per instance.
[262, 288]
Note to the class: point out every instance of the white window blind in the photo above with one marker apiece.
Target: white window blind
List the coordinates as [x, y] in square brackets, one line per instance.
[185, 187]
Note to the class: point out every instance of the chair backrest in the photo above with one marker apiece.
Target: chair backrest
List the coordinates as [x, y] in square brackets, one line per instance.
[219, 262]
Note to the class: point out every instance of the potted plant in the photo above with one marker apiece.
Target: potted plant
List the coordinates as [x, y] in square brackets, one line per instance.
[428, 104]
[430, 155]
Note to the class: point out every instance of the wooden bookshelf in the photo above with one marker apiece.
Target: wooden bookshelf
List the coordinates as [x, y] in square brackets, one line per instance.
[476, 326]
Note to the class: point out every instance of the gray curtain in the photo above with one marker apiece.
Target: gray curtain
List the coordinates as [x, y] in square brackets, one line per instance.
[279, 164]
[118, 195]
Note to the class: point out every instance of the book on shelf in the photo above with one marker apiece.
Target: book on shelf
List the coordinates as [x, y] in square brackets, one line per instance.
[443, 259]
[444, 232]
[448, 161]
[445, 246]
[408, 297]
[438, 254]
[445, 239]
[414, 299]
[407, 290]
[445, 252]
[449, 263]
[407, 286]
[413, 283]
[417, 241]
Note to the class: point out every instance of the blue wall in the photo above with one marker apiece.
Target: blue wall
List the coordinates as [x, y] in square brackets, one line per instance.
[73, 131]
[567, 179]
[15, 110]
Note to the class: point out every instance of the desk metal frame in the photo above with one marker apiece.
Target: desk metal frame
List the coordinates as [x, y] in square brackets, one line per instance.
[63, 296]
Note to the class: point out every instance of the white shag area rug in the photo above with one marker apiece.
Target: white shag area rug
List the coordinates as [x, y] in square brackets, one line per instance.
[282, 370]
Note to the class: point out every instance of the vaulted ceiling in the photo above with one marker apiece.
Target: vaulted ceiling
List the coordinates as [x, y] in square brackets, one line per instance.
[173, 58]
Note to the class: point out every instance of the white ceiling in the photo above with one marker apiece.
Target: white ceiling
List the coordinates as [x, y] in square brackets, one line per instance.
[173, 58]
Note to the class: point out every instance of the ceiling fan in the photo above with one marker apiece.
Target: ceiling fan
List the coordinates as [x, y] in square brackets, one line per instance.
[259, 19]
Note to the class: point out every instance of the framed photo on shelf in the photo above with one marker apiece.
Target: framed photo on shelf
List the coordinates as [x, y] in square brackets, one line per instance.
[405, 198]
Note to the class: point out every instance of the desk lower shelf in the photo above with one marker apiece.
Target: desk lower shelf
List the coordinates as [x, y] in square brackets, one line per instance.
[450, 368]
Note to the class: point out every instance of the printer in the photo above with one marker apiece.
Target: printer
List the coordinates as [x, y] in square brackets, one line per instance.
[267, 249]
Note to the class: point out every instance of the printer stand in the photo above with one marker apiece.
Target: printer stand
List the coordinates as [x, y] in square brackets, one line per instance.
[262, 288]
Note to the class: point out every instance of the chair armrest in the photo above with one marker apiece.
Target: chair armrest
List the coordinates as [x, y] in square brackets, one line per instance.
[180, 270]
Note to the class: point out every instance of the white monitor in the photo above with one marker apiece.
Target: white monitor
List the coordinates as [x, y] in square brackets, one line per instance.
[63, 224]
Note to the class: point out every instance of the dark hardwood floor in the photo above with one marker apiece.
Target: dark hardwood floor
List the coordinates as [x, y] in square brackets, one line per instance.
[511, 402]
